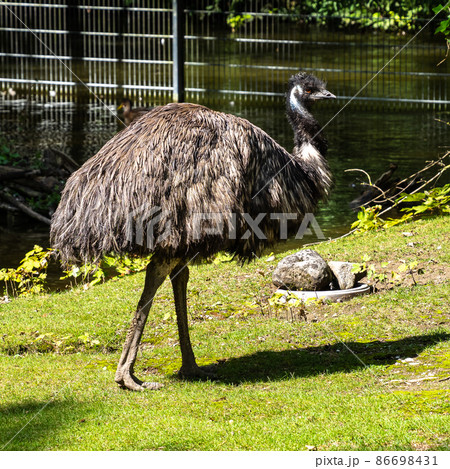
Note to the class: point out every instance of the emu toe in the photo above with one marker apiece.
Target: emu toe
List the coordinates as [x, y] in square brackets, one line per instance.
[202, 373]
[129, 381]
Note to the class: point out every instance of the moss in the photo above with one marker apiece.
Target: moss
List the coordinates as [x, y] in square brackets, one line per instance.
[435, 401]
[109, 365]
[163, 365]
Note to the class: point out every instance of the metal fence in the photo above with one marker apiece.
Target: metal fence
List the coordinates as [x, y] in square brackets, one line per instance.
[58, 50]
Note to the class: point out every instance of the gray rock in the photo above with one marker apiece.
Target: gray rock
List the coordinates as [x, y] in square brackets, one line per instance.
[343, 273]
[305, 270]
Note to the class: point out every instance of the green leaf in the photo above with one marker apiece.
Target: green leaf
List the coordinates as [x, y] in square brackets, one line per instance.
[438, 9]
[442, 28]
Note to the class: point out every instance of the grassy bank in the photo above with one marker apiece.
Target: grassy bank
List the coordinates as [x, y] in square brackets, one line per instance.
[370, 373]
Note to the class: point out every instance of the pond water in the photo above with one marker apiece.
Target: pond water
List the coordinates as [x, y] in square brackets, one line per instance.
[358, 138]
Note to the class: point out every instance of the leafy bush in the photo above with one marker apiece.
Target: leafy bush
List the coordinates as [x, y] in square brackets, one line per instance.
[435, 201]
[30, 276]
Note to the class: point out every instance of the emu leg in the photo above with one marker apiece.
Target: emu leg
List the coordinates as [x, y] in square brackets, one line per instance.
[157, 271]
[189, 368]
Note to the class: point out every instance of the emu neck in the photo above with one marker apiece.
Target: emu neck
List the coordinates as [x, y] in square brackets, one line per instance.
[306, 131]
[310, 149]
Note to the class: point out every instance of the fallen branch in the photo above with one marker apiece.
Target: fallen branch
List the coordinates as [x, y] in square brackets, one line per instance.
[55, 158]
[8, 173]
[394, 200]
[24, 208]
[42, 185]
[8, 207]
[387, 197]
[378, 190]
[25, 190]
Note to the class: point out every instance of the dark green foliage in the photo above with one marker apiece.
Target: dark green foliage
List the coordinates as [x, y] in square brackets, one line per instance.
[7, 155]
[383, 14]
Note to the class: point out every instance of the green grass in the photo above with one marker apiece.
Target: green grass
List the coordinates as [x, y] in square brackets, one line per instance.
[366, 374]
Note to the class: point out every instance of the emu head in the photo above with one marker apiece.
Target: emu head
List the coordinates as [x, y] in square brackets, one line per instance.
[303, 90]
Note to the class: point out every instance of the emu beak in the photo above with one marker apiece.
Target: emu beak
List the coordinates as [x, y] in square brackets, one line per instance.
[120, 107]
[324, 94]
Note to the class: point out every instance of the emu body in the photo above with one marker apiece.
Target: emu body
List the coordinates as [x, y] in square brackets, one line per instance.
[145, 189]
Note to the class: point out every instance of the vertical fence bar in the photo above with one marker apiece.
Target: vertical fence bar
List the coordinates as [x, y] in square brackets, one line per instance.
[178, 50]
[134, 53]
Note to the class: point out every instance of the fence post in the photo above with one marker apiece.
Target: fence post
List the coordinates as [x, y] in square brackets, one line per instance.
[178, 50]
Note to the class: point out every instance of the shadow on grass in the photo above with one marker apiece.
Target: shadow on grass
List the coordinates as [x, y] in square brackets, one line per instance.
[333, 358]
[26, 425]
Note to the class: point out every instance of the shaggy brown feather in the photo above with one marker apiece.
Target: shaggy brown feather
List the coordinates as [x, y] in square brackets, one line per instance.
[185, 159]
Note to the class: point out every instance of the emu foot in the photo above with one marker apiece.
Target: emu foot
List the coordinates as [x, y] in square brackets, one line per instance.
[195, 372]
[128, 381]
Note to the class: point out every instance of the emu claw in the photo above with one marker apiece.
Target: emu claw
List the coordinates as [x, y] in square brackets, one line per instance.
[129, 381]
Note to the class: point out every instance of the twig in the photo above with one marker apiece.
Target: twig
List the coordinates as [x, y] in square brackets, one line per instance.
[426, 168]
[409, 181]
[443, 122]
[436, 176]
[428, 378]
[362, 171]
[446, 54]
[394, 202]
[332, 239]
[410, 381]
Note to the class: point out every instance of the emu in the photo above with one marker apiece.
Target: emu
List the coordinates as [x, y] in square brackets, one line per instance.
[144, 190]
[130, 114]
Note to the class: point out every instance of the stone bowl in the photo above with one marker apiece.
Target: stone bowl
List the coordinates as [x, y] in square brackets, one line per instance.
[332, 295]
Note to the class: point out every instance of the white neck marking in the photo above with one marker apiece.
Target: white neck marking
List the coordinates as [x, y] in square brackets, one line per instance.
[294, 102]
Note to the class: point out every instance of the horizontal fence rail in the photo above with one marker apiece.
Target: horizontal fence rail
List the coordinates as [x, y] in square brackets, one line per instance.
[57, 50]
